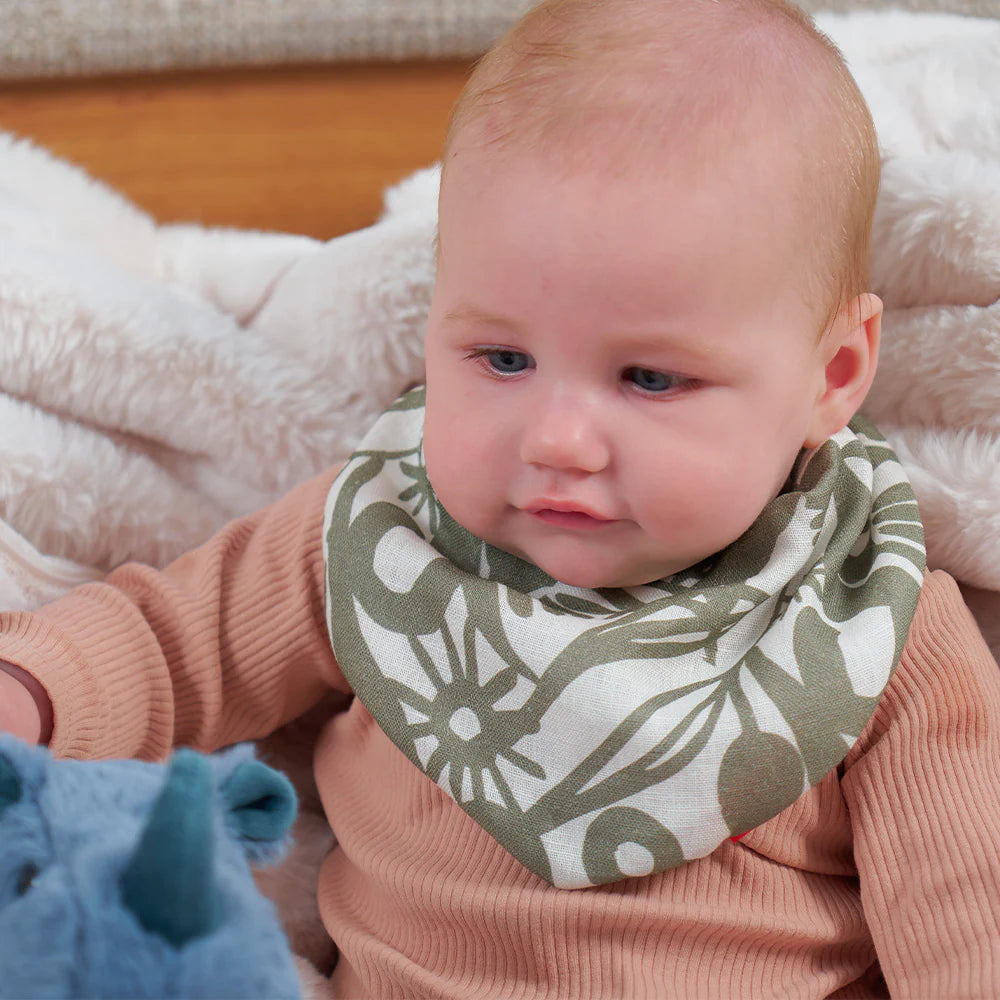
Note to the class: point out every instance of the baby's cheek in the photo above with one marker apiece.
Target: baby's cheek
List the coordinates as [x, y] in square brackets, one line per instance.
[460, 480]
[704, 504]
[742, 495]
[690, 478]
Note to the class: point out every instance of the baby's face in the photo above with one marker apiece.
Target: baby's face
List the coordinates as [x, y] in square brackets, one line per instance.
[620, 371]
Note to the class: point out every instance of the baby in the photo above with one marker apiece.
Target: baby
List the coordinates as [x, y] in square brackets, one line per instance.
[645, 690]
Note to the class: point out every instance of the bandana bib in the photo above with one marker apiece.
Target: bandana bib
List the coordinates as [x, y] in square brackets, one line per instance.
[602, 734]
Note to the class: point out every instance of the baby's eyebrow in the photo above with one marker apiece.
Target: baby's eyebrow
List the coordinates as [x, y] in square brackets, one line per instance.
[665, 341]
[470, 313]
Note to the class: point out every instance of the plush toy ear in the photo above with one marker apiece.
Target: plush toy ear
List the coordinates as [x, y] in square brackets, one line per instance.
[262, 806]
[23, 770]
[11, 785]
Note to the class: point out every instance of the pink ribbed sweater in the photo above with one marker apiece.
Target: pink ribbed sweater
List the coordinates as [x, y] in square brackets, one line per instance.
[889, 867]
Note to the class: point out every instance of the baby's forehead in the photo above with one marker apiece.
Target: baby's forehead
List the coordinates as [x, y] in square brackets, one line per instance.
[682, 214]
[608, 147]
[628, 133]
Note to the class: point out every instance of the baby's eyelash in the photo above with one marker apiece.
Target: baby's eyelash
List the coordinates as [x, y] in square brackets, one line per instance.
[501, 362]
[652, 382]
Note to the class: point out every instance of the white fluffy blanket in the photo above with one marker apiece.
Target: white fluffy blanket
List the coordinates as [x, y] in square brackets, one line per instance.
[156, 381]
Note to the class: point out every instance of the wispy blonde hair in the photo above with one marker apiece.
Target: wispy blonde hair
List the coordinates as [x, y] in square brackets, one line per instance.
[618, 82]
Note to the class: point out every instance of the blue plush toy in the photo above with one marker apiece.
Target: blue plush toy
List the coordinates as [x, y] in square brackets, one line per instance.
[127, 879]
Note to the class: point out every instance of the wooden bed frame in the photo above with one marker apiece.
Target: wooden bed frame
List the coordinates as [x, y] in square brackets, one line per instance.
[297, 149]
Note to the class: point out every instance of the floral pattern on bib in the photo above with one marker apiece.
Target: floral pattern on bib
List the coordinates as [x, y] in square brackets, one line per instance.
[605, 734]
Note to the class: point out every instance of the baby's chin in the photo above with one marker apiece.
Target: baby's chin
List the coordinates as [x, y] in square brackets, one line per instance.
[588, 574]
[590, 581]
[585, 563]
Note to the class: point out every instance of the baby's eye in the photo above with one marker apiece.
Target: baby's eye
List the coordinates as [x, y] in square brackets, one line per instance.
[507, 362]
[650, 380]
[26, 878]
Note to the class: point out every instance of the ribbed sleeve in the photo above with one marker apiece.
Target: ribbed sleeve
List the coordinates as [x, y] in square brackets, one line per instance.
[923, 788]
[225, 644]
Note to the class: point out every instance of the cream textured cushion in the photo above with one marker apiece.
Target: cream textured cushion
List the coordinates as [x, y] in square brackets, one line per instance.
[40, 38]
[74, 37]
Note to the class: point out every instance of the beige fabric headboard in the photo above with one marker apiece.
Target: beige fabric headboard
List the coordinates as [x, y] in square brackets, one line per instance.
[40, 38]
[44, 38]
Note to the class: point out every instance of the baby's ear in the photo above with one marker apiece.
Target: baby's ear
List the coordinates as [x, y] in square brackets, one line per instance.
[260, 805]
[850, 350]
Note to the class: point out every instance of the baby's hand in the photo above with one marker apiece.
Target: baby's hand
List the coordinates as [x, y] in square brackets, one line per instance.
[25, 709]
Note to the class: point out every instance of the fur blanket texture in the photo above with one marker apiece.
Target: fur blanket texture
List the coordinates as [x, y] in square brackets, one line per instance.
[157, 381]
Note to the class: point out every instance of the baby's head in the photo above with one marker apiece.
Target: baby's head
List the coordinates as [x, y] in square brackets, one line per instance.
[653, 241]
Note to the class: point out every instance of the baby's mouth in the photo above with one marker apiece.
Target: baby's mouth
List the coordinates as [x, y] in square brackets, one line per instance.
[569, 517]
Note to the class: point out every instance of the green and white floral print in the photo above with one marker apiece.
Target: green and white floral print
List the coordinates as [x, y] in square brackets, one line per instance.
[603, 734]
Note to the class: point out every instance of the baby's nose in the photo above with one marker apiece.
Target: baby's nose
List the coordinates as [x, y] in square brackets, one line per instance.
[565, 435]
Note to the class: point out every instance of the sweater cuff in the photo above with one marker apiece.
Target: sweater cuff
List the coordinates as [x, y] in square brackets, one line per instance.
[123, 709]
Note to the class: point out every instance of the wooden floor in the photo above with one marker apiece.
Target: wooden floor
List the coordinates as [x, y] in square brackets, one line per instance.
[306, 150]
